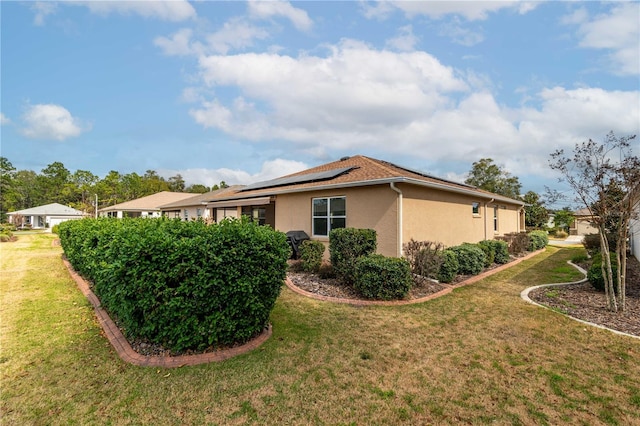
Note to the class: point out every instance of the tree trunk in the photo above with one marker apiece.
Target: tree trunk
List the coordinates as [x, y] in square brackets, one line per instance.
[607, 273]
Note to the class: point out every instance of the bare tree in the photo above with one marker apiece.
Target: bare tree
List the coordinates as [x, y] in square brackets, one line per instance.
[606, 180]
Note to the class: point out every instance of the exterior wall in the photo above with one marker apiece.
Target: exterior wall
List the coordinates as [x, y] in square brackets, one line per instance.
[582, 226]
[192, 213]
[445, 217]
[372, 207]
[634, 233]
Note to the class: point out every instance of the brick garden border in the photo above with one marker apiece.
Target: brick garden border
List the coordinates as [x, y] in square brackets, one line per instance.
[448, 288]
[126, 352]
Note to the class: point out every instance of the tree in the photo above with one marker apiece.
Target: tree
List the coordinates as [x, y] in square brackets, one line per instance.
[486, 175]
[563, 218]
[7, 181]
[536, 215]
[197, 189]
[606, 180]
[53, 180]
[176, 183]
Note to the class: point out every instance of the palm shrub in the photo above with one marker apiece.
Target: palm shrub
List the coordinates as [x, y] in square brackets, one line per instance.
[449, 267]
[538, 240]
[382, 278]
[471, 258]
[425, 257]
[311, 252]
[346, 245]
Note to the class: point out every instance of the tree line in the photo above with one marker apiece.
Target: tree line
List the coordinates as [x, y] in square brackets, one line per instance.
[22, 189]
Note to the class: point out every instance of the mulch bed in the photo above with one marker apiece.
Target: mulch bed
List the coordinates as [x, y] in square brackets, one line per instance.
[584, 302]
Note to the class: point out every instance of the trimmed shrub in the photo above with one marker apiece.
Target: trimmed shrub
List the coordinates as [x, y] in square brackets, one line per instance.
[382, 278]
[518, 242]
[538, 240]
[425, 257]
[561, 234]
[594, 274]
[55, 229]
[346, 245]
[5, 238]
[311, 252]
[184, 285]
[501, 249]
[449, 267]
[471, 258]
[489, 252]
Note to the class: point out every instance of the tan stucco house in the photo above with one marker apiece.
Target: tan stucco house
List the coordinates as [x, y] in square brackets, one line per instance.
[195, 207]
[362, 192]
[583, 223]
[46, 216]
[148, 206]
[634, 231]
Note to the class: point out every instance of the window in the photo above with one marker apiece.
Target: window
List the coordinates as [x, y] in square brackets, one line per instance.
[199, 213]
[255, 214]
[495, 218]
[186, 214]
[475, 208]
[328, 214]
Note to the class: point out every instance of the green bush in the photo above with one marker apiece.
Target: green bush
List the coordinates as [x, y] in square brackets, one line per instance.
[449, 267]
[311, 252]
[594, 274]
[425, 257]
[489, 252]
[5, 238]
[538, 240]
[346, 245]
[181, 284]
[471, 258]
[561, 234]
[382, 278]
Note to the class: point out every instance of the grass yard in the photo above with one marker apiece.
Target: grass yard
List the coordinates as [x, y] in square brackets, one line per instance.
[477, 356]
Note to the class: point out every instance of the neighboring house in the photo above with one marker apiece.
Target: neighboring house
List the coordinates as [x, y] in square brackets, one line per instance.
[148, 206]
[195, 207]
[582, 225]
[46, 216]
[362, 192]
[634, 232]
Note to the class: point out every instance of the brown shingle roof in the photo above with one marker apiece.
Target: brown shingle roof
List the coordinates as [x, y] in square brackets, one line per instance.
[202, 199]
[362, 171]
[150, 202]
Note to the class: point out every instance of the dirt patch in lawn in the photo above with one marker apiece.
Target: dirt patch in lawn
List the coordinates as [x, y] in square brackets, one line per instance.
[584, 302]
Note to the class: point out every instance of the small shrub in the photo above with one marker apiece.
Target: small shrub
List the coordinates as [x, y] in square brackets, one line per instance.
[449, 267]
[591, 243]
[561, 234]
[489, 251]
[326, 271]
[55, 229]
[311, 252]
[425, 257]
[382, 278]
[580, 258]
[538, 240]
[4, 238]
[517, 242]
[346, 245]
[594, 274]
[471, 258]
[501, 250]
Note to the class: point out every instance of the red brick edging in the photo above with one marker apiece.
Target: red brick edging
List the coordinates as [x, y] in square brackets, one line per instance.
[447, 290]
[126, 352]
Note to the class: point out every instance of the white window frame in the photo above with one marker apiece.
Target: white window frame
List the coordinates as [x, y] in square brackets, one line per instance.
[475, 208]
[328, 216]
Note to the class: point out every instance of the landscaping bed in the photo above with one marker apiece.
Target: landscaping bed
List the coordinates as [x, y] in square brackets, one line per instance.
[584, 302]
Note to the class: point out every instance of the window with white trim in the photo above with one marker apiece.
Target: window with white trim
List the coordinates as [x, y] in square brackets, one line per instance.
[327, 214]
[495, 218]
[475, 208]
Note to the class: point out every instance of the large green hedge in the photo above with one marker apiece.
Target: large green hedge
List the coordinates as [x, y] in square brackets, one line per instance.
[383, 278]
[346, 245]
[185, 285]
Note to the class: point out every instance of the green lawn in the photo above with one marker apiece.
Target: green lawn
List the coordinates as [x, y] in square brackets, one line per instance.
[479, 355]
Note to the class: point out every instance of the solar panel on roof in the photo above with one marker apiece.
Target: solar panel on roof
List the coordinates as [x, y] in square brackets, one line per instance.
[291, 180]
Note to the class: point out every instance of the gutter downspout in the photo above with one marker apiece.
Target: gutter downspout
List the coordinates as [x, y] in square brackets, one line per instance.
[400, 242]
[486, 216]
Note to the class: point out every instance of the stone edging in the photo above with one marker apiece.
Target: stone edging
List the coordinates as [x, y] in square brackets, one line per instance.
[447, 290]
[126, 352]
[525, 296]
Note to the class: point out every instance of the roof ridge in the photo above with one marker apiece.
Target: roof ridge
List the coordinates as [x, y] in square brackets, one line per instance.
[385, 165]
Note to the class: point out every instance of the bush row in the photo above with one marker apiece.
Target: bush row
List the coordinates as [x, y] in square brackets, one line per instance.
[594, 273]
[185, 285]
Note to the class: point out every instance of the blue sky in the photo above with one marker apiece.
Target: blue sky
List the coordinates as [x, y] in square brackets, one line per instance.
[248, 91]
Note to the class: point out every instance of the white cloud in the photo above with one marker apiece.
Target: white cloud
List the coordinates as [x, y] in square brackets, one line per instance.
[235, 34]
[166, 10]
[405, 40]
[179, 44]
[267, 9]
[270, 169]
[42, 9]
[4, 119]
[459, 34]
[50, 121]
[470, 10]
[617, 32]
